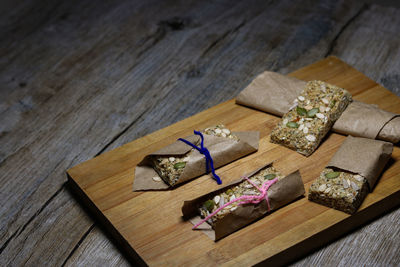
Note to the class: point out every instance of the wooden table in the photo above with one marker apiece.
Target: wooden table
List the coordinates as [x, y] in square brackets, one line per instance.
[83, 77]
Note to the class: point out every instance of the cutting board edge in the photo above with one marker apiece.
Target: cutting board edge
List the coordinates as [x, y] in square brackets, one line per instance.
[111, 232]
[334, 232]
[292, 253]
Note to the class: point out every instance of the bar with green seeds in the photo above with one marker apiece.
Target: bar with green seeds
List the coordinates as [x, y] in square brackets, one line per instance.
[352, 171]
[244, 188]
[170, 168]
[311, 117]
[340, 190]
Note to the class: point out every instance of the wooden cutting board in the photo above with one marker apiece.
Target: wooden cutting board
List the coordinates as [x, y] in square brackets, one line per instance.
[149, 227]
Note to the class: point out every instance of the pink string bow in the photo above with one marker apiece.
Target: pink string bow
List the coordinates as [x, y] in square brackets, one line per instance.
[246, 199]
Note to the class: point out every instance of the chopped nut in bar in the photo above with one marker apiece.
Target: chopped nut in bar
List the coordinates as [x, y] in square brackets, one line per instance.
[221, 131]
[339, 190]
[311, 117]
[244, 188]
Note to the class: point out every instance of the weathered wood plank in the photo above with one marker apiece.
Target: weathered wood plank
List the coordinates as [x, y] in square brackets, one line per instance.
[90, 61]
[98, 106]
[371, 44]
[352, 248]
[48, 236]
[104, 252]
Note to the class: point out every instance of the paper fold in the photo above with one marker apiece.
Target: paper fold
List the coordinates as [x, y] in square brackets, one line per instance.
[222, 150]
[281, 193]
[274, 93]
[362, 156]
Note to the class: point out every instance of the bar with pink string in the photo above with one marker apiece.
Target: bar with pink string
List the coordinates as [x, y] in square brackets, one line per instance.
[222, 212]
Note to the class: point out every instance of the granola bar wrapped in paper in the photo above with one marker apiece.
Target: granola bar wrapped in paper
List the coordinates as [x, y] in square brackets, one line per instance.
[178, 162]
[304, 126]
[351, 173]
[274, 93]
[283, 190]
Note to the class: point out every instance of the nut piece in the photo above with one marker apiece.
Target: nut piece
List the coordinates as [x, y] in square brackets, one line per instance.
[345, 184]
[322, 188]
[221, 131]
[354, 186]
[226, 131]
[156, 179]
[311, 138]
[326, 101]
[327, 190]
[358, 178]
[217, 199]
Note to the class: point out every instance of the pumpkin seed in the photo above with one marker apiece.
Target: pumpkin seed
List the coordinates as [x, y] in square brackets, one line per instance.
[332, 175]
[292, 124]
[312, 112]
[209, 205]
[301, 111]
[180, 165]
[332, 103]
[270, 176]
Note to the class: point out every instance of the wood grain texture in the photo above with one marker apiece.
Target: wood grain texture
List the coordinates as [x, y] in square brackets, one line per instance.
[61, 61]
[150, 222]
[375, 58]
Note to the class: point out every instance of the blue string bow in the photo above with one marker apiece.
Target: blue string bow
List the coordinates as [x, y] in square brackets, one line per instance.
[206, 153]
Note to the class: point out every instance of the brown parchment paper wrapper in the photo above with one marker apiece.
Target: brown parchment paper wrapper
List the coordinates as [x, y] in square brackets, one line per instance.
[281, 193]
[271, 92]
[222, 150]
[362, 156]
[366, 120]
[391, 131]
[274, 93]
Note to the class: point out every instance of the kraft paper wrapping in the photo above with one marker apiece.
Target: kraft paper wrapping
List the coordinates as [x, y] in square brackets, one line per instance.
[366, 120]
[271, 92]
[279, 194]
[274, 93]
[362, 156]
[222, 150]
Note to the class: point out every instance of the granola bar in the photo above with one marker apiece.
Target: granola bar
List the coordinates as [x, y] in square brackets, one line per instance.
[310, 118]
[171, 168]
[244, 188]
[340, 190]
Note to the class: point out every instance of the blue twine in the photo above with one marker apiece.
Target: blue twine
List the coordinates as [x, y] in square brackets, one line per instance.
[206, 153]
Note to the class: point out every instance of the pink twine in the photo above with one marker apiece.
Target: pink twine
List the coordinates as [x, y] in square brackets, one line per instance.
[254, 199]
